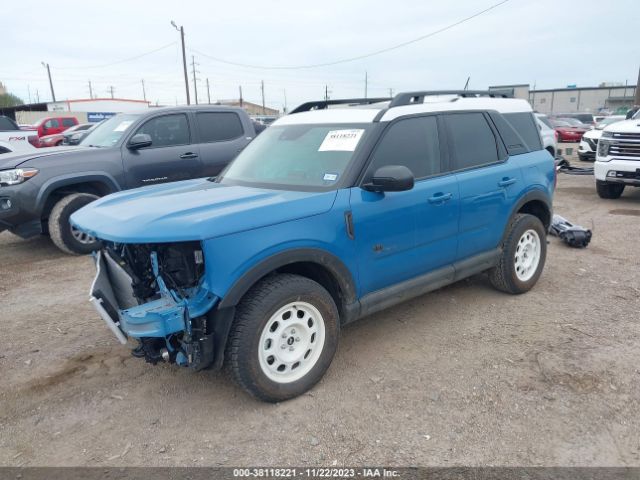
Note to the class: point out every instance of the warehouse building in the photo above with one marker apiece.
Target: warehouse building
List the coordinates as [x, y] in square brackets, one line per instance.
[85, 110]
[611, 98]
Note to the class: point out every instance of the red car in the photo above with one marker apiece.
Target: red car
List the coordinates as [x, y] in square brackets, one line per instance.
[567, 132]
[53, 125]
[58, 139]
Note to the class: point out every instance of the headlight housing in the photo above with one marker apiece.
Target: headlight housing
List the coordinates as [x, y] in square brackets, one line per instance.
[17, 175]
[603, 145]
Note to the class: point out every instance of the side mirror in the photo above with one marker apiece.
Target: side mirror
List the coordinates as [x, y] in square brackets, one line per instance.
[391, 178]
[139, 140]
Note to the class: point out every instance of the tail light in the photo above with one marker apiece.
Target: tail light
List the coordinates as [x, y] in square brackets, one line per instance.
[555, 133]
[34, 140]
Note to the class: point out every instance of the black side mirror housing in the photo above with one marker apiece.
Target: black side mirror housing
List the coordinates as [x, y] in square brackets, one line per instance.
[391, 178]
[139, 140]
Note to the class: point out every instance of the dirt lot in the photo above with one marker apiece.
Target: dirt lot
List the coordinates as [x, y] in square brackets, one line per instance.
[465, 375]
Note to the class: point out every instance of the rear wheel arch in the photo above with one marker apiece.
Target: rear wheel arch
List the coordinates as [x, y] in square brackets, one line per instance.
[535, 203]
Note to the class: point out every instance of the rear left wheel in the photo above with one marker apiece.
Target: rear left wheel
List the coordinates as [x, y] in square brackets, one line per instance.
[283, 338]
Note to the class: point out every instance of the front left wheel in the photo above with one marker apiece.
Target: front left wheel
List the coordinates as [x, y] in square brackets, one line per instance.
[66, 237]
[283, 338]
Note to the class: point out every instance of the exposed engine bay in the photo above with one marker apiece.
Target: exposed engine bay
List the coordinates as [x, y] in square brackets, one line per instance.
[156, 294]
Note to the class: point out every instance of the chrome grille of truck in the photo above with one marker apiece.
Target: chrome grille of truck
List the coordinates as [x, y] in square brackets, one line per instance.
[625, 149]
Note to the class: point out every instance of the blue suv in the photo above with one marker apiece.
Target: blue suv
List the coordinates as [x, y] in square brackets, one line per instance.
[336, 211]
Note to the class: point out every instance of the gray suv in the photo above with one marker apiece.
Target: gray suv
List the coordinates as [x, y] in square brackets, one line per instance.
[39, 190]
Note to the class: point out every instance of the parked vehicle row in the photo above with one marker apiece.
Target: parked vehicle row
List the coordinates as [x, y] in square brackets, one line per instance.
[589, 141]
[328, 216]
[70, 136]
[618, 157]
[39, 190]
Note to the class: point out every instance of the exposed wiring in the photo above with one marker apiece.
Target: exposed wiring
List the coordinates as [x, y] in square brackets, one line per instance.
[358, 57]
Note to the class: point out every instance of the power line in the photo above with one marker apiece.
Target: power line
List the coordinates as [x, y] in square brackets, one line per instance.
[358, 57]
[120, 61]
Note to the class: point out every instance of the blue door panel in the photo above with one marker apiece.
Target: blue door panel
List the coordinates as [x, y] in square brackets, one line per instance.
[486, 198]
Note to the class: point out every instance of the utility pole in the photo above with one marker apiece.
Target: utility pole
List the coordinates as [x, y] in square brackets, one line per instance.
[326, 93]
[90, 90]
[195, 85]
[29, 93]
[144, 92]
[391, 93]
[53, 94]
[262, 90]
[184, 60]
[466, 85]
[111, 90]
[284, 91]
[37, 96]
[240, 89]
[208, 93]
[366, 84]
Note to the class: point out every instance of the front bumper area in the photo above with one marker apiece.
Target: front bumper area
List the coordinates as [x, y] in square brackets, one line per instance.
[618, 171]
[170, 319]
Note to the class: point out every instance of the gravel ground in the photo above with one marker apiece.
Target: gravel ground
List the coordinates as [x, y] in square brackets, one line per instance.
[462, 376]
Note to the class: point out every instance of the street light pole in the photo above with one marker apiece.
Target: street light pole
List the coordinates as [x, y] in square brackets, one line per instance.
[53, 94]
[184, 60]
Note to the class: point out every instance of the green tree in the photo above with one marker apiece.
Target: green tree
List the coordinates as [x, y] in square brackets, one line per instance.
[10, 100]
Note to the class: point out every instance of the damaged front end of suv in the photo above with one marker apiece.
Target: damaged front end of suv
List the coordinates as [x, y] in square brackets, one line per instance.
[157, 294]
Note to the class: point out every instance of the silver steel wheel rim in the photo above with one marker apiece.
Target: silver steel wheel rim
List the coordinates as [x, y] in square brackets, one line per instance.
[527, 255]
[291, 342]
[82, 237]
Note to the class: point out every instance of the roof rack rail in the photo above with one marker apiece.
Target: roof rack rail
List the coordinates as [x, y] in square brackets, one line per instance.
[322, 104]
[410, 98]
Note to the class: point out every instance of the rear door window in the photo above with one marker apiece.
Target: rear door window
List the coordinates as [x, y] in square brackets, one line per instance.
[68, 122]
[218, 126]
[413, 143]
[472, 140]
[52, 123]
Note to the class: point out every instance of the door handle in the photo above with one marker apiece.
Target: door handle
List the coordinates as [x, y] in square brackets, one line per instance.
[440, 197]
[189, 155]
[506, 181]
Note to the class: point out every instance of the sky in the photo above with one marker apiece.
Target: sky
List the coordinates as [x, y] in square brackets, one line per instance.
[546, 43]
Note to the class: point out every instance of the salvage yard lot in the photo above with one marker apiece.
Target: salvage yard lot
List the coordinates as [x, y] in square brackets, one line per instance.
[465, 375]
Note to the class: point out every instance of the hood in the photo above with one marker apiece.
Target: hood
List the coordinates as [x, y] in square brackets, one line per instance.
[193, 210]
[624, 126]
[16, 159]
[593, 134]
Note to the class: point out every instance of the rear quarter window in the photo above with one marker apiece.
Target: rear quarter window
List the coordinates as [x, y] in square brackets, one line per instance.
[527, 128]
[218, 126]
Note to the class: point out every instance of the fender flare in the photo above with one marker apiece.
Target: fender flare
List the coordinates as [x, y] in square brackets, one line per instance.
[71, 179]
[535, 194]
[312, 255]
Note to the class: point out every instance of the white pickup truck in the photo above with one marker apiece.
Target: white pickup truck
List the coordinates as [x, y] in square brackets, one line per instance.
[618, 158]
[12, 139]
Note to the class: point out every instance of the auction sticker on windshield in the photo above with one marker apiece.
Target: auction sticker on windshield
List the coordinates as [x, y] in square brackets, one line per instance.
[123, 126]
[341, 140]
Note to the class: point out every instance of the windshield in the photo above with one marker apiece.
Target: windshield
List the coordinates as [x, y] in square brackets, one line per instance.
[310, 157]
[608, 121]
[108, 132]
[544, 119]
[636, 116]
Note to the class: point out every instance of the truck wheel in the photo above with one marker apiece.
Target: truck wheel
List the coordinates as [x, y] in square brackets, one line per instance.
[524, 251]
[283, 338]
[609, 190]
[64, 236]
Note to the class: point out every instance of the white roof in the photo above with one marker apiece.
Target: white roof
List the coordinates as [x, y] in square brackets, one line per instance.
[436, 103]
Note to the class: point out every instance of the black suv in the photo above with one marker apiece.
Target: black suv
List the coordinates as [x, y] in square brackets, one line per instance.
[41, 189]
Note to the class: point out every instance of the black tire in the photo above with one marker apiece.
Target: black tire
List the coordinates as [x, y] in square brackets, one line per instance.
[60, 228]
[253, 313]
[609, 190]
[503, 276]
